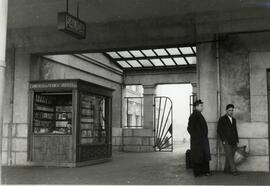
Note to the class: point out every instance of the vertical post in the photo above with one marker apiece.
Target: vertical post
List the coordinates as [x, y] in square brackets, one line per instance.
[127, 112]
[3, 33]
[124, 114]
[149, 115]
[218, 99]
[141, 112]
[124, 106]
[172, 123]
[148, 111]
[78, 10]
[67, 6]
[268, 96]
[198, 72]
[193, 97]
[194, 88]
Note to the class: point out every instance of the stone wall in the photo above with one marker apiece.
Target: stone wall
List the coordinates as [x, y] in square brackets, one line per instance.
[244, 60]
[117, 139]
[243, 80]
[138, 140]
[234, 78]
[259, 143]
[73, 68]
[22, 68]
[15, 125]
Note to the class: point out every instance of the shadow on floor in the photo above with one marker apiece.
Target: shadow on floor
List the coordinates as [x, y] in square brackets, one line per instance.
[154, 168]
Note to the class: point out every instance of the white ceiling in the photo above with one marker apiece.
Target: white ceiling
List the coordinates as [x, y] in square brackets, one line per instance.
[28, 13]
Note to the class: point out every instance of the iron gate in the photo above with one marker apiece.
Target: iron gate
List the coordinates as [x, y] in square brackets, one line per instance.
[163, 124]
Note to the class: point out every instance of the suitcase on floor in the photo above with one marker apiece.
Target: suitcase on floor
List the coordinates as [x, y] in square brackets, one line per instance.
[188, 159]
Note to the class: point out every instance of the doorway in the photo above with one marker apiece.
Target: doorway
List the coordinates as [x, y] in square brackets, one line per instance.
[179, 94]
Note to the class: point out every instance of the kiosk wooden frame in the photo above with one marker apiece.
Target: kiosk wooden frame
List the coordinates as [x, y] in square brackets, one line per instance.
[77, 143]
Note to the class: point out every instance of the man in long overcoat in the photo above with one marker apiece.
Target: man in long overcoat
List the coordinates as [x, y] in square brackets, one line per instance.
[200, 151]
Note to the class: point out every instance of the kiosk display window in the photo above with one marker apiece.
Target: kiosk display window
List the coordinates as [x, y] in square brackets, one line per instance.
[52, 113]
[70, 123]
[92, 121]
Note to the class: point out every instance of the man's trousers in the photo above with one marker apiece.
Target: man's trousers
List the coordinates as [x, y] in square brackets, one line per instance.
[229, 153]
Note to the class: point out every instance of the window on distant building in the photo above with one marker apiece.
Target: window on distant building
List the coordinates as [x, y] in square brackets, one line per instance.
[134, 91]
[133, 112]
[129, 120]
[138, 120]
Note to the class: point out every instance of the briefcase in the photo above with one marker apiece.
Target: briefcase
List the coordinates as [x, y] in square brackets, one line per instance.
[240, 155]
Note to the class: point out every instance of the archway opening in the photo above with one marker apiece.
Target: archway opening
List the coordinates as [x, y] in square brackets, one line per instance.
[180, 96]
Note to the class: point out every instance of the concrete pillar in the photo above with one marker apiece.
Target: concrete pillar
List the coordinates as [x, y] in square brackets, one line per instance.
[3, 32]
[148, 110]
[207, 88]
[194, 88]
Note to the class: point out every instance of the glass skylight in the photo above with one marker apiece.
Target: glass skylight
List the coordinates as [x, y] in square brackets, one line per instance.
[180, 61]
[149, 53]
[168, 61]
[134, 63]
[186, 50]
[154, 58]
[114, 55]
[157, 62]
[161, 52]
[125, 54]
[146, 63]
[124, 64]
[136, 53]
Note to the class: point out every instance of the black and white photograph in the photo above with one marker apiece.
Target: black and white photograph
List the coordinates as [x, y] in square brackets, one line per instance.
[135, 92]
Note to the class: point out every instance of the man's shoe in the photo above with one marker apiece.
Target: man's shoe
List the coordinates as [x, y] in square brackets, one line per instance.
[208, 174]
[235, 173]
[197, 176]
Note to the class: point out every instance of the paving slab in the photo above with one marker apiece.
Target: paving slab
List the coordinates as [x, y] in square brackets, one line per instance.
[150, 168]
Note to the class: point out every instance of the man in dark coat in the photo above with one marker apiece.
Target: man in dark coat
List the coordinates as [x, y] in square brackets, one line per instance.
[228, 134]
[200, 151]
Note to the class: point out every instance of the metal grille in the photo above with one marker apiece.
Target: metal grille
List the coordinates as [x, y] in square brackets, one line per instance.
[163, 110]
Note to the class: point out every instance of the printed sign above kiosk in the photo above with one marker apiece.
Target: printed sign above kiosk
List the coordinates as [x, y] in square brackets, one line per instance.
[71, 25]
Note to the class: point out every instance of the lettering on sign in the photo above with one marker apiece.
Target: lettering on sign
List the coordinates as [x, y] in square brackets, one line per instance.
[71, 25]
[52, 85]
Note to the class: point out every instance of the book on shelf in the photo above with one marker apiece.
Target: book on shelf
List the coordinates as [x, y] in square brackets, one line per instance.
[87, 119]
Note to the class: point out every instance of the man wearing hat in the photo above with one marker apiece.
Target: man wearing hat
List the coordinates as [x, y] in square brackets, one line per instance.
[200, 151]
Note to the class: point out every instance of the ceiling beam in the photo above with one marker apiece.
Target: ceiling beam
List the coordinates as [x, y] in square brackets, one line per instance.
[154, 57]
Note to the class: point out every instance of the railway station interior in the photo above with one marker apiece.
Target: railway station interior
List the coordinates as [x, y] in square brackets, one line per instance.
[100, 92]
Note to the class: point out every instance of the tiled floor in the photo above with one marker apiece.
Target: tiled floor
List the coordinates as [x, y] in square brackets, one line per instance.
[157, 168]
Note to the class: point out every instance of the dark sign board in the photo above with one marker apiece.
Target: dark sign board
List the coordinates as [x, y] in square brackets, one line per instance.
[71, 25]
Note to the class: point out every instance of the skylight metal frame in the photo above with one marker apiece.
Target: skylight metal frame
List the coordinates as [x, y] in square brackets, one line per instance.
[158, 56]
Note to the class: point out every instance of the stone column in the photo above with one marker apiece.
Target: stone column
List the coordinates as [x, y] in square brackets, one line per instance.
[207, 88]
[3, 33]
[194, 88]
[148, 109]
